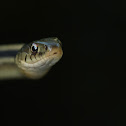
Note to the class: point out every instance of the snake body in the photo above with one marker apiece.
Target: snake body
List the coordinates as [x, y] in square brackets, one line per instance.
[31, 60]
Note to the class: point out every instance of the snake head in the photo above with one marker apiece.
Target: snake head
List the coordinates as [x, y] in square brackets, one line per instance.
[37, 57]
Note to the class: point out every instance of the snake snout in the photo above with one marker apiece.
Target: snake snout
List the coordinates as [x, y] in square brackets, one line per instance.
[57, 52]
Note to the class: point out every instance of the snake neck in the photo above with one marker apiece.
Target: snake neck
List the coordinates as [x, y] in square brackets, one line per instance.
[8, 68]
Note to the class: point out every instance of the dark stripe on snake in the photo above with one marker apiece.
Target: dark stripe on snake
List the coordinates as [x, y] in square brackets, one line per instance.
[8, 53]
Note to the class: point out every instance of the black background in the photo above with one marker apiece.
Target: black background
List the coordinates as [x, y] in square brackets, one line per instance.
[87, 86]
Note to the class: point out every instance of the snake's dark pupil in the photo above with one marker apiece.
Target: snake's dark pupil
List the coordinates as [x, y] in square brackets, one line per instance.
[34, 48]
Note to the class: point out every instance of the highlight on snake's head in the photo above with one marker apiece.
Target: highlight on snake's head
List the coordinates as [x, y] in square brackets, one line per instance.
[36, 58]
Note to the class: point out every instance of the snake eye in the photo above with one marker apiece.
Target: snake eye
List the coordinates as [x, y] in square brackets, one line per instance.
[34, 48]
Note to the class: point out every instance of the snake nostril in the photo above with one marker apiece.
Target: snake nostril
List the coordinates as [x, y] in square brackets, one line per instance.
[55, 53]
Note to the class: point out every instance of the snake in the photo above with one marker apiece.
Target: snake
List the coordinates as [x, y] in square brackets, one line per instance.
[32, 60]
